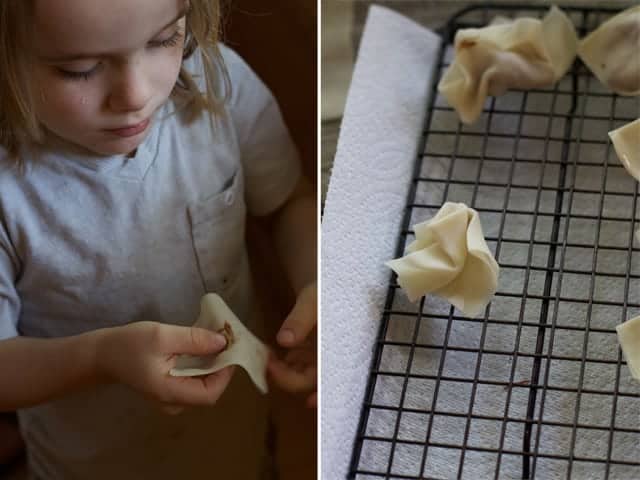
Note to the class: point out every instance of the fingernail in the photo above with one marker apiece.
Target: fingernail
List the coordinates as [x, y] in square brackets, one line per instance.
[219, 341]
[286, 336]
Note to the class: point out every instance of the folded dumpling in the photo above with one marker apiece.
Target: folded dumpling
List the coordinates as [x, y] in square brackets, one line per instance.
[629, 339]
[612, 52]
[523, 53]
[243, 348]
[450, 258]
[626, 141]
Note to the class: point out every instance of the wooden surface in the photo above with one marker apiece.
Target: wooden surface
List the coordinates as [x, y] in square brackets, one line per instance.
[279, 40]
[330, 132]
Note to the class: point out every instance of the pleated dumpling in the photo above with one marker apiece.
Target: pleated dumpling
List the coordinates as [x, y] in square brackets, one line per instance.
[450, 258]
[523, 53]
[612, 52]
[626, 141]
[629, 338]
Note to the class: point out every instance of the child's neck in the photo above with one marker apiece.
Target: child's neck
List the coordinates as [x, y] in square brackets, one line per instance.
[54, 142]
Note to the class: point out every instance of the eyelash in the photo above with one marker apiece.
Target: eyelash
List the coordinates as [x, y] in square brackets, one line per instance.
[79, 75]
[172, 41]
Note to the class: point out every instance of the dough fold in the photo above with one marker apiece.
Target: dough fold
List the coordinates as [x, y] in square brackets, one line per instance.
[626, 141]
[523, 53]
[629, 338]
[243, 348]
[450, 258]
[612, 52]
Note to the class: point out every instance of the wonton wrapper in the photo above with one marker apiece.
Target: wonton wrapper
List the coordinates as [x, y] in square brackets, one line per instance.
[612, 52]
[243, 348]
[523, 53]
[626, 141]
[450, 258]
[629, 338]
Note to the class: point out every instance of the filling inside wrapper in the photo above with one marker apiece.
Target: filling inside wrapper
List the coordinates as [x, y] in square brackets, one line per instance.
[243, 348]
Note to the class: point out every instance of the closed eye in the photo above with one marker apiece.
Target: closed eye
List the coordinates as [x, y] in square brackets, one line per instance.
[83, 75]
[168, 42]
[171, 41]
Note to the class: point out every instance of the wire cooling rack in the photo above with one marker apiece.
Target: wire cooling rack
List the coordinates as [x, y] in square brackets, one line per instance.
[537, 386]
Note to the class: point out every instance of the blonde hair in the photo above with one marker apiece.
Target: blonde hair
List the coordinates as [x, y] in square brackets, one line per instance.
[18, 122]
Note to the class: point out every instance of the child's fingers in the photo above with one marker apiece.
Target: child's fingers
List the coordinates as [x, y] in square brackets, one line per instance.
[300, 356]
[193, 340]
[291, 380]
[204, 390]
[300, 321]
[218, 382]
[171, 409]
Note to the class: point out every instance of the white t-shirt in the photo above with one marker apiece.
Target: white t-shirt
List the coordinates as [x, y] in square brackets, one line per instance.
[90, 242]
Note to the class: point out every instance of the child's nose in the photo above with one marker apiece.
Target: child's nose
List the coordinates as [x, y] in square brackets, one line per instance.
[132, 90]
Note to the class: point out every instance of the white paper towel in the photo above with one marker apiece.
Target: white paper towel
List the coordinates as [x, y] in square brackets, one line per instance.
[361, 224]
[372, 168]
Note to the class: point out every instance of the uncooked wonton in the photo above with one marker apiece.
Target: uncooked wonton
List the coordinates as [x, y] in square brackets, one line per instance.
[450, 258]
[524, 53]
[612, 52]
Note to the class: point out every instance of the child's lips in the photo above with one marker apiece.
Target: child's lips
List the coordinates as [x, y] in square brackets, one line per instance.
[130, 130]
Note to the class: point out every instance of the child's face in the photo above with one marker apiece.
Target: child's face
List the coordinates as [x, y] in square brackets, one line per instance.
[104, 67]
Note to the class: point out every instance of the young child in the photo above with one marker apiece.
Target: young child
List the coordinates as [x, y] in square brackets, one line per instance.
[133, 146]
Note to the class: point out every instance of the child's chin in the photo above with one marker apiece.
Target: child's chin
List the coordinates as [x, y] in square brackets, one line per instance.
[124, 147]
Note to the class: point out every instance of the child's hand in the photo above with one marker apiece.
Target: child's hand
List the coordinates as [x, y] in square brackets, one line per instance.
[298, 371]
[141, 354]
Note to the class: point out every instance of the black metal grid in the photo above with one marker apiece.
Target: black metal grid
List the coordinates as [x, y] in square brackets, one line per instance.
[428, 393]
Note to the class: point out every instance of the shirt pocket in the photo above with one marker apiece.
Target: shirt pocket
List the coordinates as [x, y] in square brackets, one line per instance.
[218, 229]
